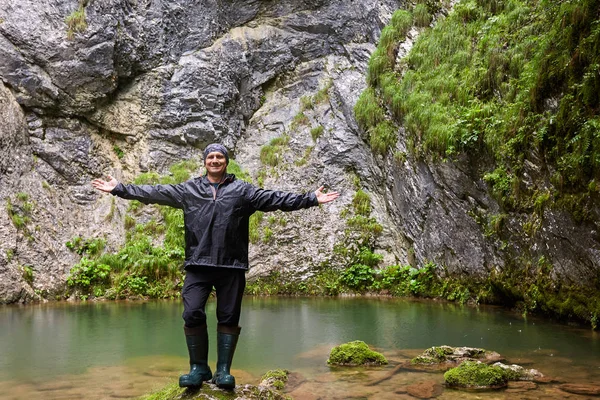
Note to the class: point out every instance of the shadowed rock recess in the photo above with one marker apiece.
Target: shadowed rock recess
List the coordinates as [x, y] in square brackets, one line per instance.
[139, 86]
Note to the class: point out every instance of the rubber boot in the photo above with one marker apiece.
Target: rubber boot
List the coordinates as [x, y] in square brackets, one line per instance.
[197, 344]
[227, 338]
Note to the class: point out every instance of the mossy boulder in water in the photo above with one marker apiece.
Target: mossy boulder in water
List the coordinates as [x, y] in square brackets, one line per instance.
[454, 355]
[355, 353]
[516, 372]
[275, 378]
[476, 375]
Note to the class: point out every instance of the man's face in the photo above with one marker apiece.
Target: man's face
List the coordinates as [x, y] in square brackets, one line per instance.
[215, 163]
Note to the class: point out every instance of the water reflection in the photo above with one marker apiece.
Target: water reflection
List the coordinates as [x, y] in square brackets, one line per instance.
[64, 350]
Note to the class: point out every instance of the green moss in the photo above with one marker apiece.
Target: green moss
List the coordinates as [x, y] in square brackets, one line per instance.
[276, 378]
[482, 79]
[433, 355]
[10, 253]
[20, 212]
[355, 353]
[476, 375]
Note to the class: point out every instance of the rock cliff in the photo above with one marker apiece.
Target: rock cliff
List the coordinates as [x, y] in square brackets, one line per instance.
[140, 85]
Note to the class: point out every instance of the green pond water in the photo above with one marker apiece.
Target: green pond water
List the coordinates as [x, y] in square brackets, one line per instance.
[126, 349]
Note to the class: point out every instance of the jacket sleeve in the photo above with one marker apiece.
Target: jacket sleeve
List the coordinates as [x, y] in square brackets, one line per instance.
[167, 195]
[270, 200]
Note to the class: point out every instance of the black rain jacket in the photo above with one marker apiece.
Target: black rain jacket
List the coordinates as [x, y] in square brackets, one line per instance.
[216, 220]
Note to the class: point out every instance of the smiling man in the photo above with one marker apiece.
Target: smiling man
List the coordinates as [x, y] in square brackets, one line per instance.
[217, 209]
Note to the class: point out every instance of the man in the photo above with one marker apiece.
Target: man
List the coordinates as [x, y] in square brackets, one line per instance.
[217, 209]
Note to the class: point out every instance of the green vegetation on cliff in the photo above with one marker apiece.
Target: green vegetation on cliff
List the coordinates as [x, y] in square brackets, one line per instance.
[511, 78]
[515, 82]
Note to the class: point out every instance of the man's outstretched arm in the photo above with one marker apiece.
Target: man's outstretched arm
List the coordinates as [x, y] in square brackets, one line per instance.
[169, 195]
[270, 200]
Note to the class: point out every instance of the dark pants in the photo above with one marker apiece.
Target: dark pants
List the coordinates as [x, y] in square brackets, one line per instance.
[229, 284]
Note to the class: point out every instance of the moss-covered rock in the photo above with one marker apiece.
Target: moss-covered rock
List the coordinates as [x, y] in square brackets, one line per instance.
[476, 375]
[355, 353]
[275, 378]
[516, 372]
[454, 355]
[435, 354]
[212, 392]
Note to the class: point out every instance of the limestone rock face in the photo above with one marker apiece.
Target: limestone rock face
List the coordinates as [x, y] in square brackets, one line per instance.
[145, 84]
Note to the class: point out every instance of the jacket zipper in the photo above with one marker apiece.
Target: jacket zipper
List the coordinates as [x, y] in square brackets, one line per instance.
[214, 190]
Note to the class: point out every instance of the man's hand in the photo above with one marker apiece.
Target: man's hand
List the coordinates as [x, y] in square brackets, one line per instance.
[325, 197]
[105, 186]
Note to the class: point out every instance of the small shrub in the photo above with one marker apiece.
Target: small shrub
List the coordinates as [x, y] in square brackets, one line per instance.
[362, 203]
[27, 274]
[323, 94]
[270, 154]
[299, 119]
[358, 277]
[316, 132]
[120, 153]
[21, 196]
[421, 15]
[306, 103]
[76, 21]
[87, 273]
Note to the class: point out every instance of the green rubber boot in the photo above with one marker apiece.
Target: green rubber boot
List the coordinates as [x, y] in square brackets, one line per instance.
[197, 344]
[227, 338]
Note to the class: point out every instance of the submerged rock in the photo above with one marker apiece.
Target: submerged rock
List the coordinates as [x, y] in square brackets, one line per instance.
[582, 389]
[355, 353]
[424, 390]
[520, 387]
